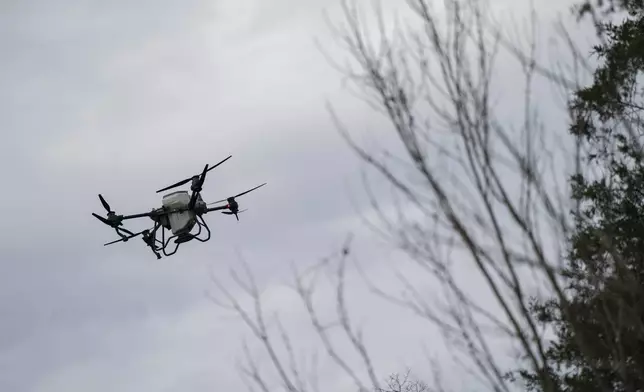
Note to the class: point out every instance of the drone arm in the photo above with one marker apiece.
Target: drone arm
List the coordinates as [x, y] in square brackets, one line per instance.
[144, 215]
[216, 209]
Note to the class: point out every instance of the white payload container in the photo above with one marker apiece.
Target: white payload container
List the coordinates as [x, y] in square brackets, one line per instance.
[180, 222]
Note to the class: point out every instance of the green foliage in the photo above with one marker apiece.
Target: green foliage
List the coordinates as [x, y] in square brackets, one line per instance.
[599, 326]
[606, 7]
[614, 90]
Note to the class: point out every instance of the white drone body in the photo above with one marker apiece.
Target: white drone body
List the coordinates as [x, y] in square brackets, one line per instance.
[181, 222]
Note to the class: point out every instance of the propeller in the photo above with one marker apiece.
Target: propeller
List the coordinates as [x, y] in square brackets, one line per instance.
[232, 203]
[185, 181]
[125, 239]
[241, 194]
[197, 188]
[110, 213]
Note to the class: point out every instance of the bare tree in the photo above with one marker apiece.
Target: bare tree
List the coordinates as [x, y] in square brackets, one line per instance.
[475, 192]
[398, 383]
[476, 189]
[291, 376]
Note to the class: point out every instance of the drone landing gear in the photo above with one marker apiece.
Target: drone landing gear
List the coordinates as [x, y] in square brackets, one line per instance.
[151, 241]
[125, 236]
[182, 238]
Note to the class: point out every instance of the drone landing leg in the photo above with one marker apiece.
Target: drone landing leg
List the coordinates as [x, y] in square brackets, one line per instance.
[202, 223]
[165, 243]
[175, 249]
[152, 240]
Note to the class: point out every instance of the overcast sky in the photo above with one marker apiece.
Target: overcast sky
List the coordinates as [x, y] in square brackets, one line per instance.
[125, 97]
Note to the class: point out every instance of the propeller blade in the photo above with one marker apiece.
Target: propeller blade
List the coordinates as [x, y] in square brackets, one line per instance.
[105, 205]
[250, 190]
[241, 194]
[212, 167]
[190, 178]
[102, 219]
[175, 185]
[232, 213]
[202, 178]
[126, 238]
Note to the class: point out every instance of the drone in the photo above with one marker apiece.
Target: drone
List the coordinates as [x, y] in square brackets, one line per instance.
[179, 213]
